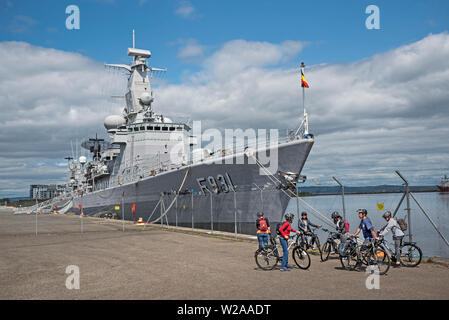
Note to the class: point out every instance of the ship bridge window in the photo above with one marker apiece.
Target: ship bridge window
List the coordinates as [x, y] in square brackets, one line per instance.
[164, 128]
[179, 128]
[149, 128]
[136, 129]
[157, 128]
[130, 129]
[172, 128]
[142, 128]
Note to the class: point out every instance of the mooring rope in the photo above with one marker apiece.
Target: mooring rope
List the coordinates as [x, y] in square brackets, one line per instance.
[173, 201]
[269, 174]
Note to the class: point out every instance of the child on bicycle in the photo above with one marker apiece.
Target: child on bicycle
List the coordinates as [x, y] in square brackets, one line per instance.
[342, 230]
[393, 225]
[263, 230]
[303, 225]
[284, 231]
[367, 229]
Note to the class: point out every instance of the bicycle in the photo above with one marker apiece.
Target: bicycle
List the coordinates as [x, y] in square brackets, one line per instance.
[268, 257]
[330, 245]
[411, 254]
[357, 253]
[303, 241]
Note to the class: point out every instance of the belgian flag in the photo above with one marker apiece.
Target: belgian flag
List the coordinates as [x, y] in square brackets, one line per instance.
[304, 83]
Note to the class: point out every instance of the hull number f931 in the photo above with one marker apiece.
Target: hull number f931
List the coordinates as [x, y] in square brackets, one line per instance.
[222, 183]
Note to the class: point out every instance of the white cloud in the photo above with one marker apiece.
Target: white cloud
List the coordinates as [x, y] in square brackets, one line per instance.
[47, 99]
[186, 10]
[21, 24]
[190, 49]
[370, 117]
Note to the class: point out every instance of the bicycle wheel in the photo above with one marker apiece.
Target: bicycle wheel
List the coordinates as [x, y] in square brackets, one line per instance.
[326, 251]
[411, 255]
[379, 258]
[301, 242]
[266, 258]
[301, 257]
[349, 262]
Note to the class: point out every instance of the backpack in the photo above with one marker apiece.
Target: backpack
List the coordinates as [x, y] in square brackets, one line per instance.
[263, 225]
[347, 226]
[278, 226]
[402, 224]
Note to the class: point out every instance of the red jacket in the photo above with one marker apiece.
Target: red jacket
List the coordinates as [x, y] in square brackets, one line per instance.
[285, 229]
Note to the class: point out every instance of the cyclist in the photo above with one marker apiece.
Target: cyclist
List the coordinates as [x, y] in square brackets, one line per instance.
[284, 231]
[339, 223]
[263, 229]
[304, 223]
[365, 226]
[397, 235]
[340, 226]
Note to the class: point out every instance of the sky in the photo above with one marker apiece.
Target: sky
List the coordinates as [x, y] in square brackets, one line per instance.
[378, 98]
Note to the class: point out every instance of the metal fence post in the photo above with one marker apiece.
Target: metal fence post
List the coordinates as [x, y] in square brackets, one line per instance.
[261, 195]
[162, 220]
[342, 196]
[123, 212]
[408, 205]
[192, 208]
[235, 214]
[176, 206]
[211, 215]
[297, 201]
[81, 213]
[37, 208]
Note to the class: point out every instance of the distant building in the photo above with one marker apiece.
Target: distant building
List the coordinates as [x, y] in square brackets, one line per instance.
[43, 191]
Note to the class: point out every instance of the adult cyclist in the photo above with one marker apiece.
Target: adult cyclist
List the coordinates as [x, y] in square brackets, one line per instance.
[284, 231]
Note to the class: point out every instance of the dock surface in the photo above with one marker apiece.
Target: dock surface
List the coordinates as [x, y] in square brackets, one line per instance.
[175, 264]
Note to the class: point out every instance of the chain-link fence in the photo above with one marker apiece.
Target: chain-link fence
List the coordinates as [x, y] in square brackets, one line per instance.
[211, 212]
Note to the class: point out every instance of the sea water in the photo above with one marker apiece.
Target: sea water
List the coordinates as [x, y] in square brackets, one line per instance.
[436, 205]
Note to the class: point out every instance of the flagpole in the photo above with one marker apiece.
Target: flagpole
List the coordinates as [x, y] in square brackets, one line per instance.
[306, 124]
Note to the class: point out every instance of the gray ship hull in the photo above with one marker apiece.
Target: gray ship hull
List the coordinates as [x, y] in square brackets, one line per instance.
[144, 195]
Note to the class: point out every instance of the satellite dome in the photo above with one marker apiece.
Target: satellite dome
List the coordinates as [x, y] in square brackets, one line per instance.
[145, 98]
[114, 121]
[83, 160]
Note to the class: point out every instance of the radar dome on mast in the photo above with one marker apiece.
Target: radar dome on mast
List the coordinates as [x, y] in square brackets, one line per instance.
[114, 121]
[146, 98]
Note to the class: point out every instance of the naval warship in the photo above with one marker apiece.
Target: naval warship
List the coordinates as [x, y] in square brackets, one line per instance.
[153, 169]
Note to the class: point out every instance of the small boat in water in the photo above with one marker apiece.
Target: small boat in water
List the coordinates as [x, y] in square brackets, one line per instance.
[444, 184]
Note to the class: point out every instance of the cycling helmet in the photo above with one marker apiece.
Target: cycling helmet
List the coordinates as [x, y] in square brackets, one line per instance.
[260, 214]
[363, 211]
[289, 216]
[335, 215]
[303, 213]
[386, 214]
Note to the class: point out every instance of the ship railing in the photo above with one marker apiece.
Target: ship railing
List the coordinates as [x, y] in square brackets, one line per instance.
[147, 166]
[254, 144]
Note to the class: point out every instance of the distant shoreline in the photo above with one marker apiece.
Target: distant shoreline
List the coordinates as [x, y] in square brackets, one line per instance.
[360, 193]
